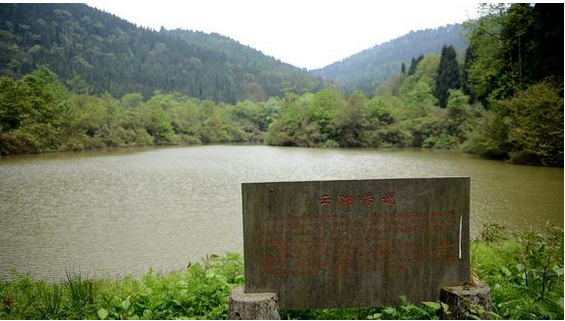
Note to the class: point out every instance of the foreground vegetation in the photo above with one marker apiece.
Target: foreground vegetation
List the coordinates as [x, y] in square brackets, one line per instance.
[524, 271]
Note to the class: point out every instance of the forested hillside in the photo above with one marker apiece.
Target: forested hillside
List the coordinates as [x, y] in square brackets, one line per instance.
[504, 100]
[94, 52]
[501, 98]
[514, 67]
[369, 68]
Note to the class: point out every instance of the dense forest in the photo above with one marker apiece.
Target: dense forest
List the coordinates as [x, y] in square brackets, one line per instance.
[514, 67]
[502, 98]
[94, 52]
[369, 68]
[505, 100]
[38, 114]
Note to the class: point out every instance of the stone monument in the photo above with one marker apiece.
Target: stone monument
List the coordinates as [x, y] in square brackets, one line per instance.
[357, 243]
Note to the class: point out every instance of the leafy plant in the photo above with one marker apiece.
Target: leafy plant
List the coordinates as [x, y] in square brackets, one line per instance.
[542, 259]
[525, 274]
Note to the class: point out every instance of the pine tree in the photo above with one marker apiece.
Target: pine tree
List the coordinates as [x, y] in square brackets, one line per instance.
[414, 65]
[448, 76]
[403, 69]
[470, 55]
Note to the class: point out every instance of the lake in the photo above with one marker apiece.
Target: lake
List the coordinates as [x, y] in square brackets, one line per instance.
[116, 213]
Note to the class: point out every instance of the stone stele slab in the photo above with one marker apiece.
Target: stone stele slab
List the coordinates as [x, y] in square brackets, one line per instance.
[356, 243]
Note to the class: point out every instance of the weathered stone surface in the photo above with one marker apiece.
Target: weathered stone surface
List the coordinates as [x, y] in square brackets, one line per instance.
[467, 301]
[355, 243]
[253, 306]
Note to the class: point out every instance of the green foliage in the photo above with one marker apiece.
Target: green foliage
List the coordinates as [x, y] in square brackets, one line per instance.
[527, 128]
[534, 120]
[26, 101]
[199, 292]
[409, 311]
[525, 272]
[37, 114]
[448, 75]
[522, 122]
[29, 113]
[417, 89]
[489, 137]
[542, 259]
[461, 117]
[414, 64]
[46, 300]
[156, 121]
[508, 45]
[81, 295]
[402, 113]
[94, 52]
[351, 121]
[405, 311]
[482, 69]
[391, 87]
[322, 113]
[294, 128]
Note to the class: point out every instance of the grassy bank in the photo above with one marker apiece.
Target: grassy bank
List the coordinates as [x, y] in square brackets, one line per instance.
[524, 271]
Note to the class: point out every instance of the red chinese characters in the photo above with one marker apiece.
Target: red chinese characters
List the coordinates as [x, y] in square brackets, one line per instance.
[346, 200]
[325, 200]
[388, 199]
[367, 199]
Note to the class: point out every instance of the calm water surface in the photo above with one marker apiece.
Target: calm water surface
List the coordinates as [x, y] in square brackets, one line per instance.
[113, 213]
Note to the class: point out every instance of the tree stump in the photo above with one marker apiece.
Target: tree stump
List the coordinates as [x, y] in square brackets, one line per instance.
[253, 306]
[467, 301]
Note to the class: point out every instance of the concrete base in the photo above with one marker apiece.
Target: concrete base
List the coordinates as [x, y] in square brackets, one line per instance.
[253, 306]
[467, 301]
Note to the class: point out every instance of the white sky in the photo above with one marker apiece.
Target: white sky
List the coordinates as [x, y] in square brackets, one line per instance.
[305, 33]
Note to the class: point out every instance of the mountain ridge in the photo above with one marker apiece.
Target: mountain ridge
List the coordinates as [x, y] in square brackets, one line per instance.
[82, 44]
[368, 68]
[98, 52]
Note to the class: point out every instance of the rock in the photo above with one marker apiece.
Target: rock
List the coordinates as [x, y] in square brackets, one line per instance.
[253, 306]
[467, 301]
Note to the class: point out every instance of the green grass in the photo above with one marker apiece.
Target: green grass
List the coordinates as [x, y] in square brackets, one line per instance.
[524, 271]
[199, 292]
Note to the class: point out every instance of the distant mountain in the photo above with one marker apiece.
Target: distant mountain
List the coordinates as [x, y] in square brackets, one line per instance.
[95, 52]
[367, 69]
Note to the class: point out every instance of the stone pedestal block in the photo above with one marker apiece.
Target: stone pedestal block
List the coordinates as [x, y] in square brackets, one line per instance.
[253, 306]
[467, 301]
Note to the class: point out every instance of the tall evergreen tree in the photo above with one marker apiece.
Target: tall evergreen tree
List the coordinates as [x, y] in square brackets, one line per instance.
[469, 57]
[448, 76]
[403, 69]
[414, 65]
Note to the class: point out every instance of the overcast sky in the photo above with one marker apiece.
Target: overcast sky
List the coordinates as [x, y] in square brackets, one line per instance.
[305, 33]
